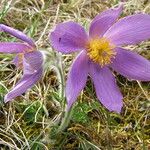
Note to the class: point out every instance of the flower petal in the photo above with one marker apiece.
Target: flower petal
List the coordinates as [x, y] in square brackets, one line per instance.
[32, 68]
[76, 78]
[20, 35]
[18, 60]
[131, 65]
[23, 85]
[106, 88]
[13, 47]
[33, 61]
[130, 30]
[68, 37]
[15, 61]
[104, 21]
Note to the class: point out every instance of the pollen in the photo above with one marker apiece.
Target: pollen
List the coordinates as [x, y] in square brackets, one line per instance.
[101, 51]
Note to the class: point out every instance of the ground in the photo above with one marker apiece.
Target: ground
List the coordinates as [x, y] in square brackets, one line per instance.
[31, 121]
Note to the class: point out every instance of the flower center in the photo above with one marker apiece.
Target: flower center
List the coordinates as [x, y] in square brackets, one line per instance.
[100, 51]
[21, 57]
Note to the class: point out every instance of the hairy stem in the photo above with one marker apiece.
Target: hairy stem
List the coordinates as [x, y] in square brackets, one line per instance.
[66, 120]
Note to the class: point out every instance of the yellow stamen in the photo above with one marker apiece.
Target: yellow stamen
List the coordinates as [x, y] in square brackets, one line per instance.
[21, 56]
[100, 50]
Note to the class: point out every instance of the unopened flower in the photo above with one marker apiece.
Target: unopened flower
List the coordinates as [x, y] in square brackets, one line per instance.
[101, 50]
[27, 58]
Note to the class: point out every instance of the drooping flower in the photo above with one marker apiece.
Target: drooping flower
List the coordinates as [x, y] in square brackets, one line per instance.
[27, 58]
[101, 50]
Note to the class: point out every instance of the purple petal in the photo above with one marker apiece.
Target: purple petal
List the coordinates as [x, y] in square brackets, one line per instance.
[76, 78]
[32, 61]
[23, 85]
[32, 65]
[13, 47]
[106, 88]
[104, 21]
[68, 37]
[130, 30]
[15, 61]
[20, 35]
[131, 65]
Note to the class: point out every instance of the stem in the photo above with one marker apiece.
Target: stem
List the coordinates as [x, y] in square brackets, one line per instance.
[68, 113]
[65, 120]
[61, 79]
[61, 86]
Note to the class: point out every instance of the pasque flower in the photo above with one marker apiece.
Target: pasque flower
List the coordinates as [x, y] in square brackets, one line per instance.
[27, 58]
[101, 52]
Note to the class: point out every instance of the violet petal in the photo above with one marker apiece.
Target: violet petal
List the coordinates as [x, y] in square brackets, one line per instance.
[131, 65]
[76, 78]
[32, 61]
[32, 72]
[23, 85]
[18, 34]
[13, 47]
[102, 22]
[130, 30]
[106, 88]
[68, 37]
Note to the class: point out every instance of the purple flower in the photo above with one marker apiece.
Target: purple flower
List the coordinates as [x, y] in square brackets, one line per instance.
[100, 51]
[27, 57]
